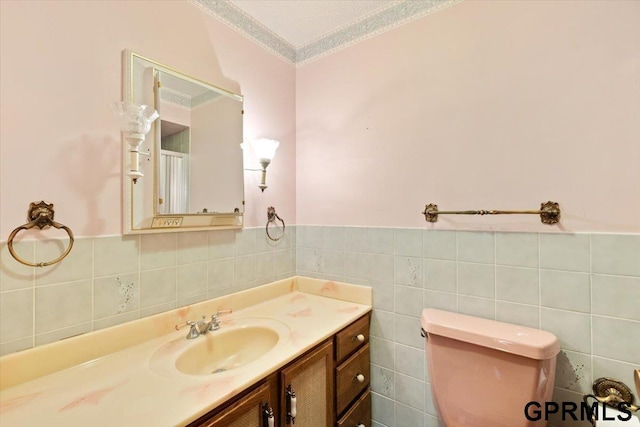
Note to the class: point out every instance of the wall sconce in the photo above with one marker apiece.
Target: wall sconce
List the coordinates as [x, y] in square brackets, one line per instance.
[135, 123]
[265, 151]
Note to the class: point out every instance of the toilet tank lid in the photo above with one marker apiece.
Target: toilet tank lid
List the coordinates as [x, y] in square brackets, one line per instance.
[520, 340]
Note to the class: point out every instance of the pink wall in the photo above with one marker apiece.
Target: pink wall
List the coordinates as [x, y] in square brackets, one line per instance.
[60, 69]
[484, 105]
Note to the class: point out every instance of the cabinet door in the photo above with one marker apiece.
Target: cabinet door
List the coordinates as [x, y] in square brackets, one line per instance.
[248, 411]
[311, 379]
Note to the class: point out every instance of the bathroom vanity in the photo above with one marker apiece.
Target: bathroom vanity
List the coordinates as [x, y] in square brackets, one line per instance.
[308, 358]
[330, 383]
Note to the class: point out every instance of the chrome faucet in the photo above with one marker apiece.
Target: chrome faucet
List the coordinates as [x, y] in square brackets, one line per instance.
[202, 327]
[193, 330]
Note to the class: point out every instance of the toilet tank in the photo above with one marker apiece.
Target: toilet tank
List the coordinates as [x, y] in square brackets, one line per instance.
[483, 372]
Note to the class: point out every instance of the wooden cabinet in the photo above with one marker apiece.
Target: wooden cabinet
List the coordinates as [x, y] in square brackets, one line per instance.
[307, 389]
[330, 383]
[353, 398]
[359, 414]
[252, 409]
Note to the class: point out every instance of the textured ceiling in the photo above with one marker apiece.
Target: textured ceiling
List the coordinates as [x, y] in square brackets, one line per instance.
[300, 22]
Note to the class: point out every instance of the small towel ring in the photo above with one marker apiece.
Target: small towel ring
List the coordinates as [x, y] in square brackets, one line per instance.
[271, 219]
[41, 216]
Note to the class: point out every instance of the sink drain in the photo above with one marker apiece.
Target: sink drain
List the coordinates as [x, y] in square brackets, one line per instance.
[217, 371]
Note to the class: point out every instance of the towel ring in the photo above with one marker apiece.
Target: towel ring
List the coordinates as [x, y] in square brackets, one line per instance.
[271, 219]
[41, 216]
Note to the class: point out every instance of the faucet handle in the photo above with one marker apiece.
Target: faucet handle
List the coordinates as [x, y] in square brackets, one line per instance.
[636, 377]
[183, 324]
[227, 311]
[214, 325]
[193, 330]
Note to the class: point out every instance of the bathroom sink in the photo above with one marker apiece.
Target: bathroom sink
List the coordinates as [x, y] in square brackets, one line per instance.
[222, 351]
[238, 343]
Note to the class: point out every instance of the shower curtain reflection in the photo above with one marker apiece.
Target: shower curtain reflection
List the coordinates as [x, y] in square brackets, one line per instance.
[173, 188]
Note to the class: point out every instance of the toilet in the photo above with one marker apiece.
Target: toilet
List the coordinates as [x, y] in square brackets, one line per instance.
[483, 373]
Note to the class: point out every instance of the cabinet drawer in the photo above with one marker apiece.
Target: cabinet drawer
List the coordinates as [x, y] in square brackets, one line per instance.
[359, 414]
[349, 339]
[348, 385]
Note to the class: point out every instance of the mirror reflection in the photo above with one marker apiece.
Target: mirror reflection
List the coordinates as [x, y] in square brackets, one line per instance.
[194, 151]
[200, 135]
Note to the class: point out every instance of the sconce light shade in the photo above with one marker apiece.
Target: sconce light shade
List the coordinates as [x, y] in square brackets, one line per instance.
[134, 118]
[135, 123]
[265, 151]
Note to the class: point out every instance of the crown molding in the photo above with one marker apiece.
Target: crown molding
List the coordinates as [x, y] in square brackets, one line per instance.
[186, 101]
[392, 16]
[237, 19]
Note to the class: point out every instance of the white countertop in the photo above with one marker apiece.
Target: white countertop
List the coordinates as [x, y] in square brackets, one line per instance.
[139, 385]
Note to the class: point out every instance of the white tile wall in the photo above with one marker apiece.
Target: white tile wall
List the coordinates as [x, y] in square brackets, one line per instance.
[106, 281]
[585, 288]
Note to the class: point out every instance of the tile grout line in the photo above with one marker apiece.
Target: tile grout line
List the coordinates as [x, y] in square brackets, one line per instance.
[139, 277]
[457, 261]
[495, 279]
[539, 281]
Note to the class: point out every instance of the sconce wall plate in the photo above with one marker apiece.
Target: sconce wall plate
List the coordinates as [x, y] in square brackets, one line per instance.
[265, 151]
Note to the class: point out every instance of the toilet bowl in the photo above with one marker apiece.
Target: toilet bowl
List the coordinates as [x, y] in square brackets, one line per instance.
[483, 373]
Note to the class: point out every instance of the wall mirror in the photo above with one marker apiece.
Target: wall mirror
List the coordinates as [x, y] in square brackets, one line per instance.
[192, 161]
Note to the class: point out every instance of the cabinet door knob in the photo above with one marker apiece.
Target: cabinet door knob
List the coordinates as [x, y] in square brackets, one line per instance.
[359, 337]
[360, 378]
[360, 425]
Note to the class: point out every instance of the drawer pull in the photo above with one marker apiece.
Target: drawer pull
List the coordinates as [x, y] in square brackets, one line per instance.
[359, 337]
[360, 378]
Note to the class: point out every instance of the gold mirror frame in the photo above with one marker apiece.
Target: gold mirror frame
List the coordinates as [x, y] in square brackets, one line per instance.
[139, 213]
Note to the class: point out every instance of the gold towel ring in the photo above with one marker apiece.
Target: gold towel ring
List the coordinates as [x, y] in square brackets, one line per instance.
[271, 219]
[41, 216]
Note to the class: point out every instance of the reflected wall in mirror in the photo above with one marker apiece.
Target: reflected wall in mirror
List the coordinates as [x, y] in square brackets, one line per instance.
[194, 177]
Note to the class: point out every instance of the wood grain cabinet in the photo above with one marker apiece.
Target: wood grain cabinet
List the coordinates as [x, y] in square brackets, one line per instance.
[252, 409]
[353, 398]
[325, 387]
